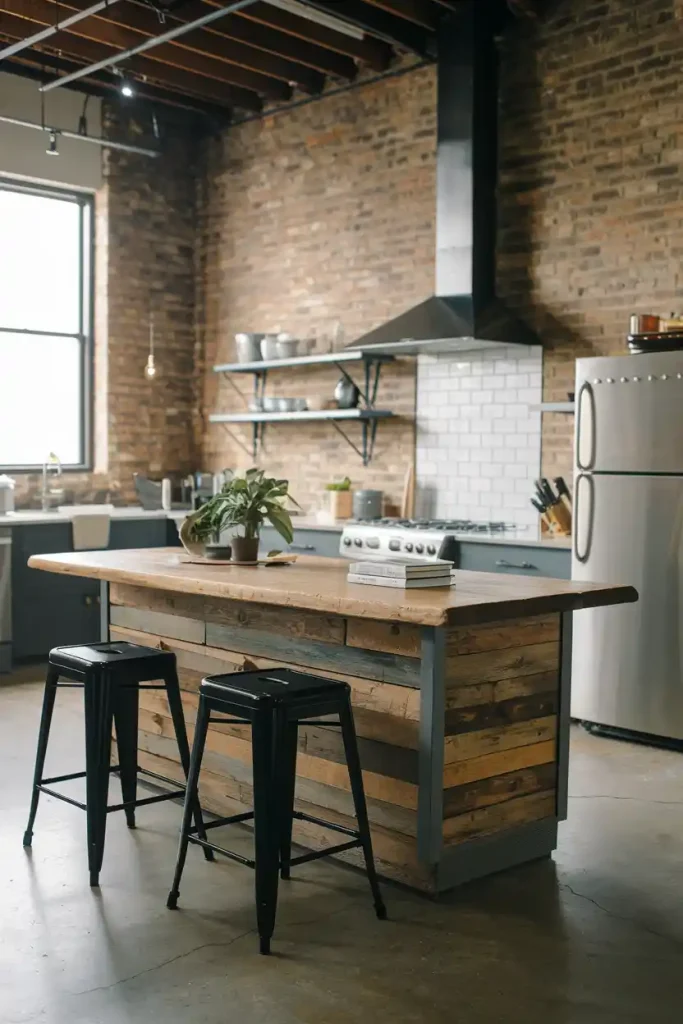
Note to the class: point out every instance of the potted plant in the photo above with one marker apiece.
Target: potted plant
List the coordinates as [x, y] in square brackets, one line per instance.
[341, 499]
[244, 502]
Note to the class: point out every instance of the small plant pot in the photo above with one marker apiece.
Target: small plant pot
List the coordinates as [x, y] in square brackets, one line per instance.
[245, 549]
[341, 504]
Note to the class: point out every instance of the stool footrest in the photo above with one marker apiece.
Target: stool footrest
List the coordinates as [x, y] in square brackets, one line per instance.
[219, 849]
[72, 775]
[300, 816]
[61, 796]
[317, 854]
[172, 795]
[232, 820]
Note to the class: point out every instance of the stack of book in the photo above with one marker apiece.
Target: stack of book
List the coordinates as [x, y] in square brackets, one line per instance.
[403, 572]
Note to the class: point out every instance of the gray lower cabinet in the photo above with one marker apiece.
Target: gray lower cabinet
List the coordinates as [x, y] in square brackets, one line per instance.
[516, 560]
[49, 610]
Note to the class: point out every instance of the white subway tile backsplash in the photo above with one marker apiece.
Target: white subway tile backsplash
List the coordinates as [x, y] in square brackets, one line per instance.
[478, 435]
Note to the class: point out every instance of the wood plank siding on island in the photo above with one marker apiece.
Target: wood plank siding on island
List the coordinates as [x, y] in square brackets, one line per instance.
[460, 697]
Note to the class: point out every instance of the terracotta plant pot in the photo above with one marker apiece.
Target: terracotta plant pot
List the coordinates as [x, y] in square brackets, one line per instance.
[341, 504]
[245, 549]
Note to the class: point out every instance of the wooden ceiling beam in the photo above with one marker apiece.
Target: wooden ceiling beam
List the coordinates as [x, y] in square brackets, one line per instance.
[33, 65]
[309, 54]
[416, 11]
[376, 54]
[143, 19]
[119, 37]
[87, 51]
[378, 23]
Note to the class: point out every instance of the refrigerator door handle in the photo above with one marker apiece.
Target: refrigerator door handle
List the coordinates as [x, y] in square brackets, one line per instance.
[583, 482]
[585, 406]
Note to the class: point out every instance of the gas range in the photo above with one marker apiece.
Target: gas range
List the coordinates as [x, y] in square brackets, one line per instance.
[418, 538]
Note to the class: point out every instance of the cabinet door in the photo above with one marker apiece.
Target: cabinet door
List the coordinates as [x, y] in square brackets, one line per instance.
[48, 609]
[138, 533]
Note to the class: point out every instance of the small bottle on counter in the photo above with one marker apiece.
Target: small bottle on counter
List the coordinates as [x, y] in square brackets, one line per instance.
[166, 494]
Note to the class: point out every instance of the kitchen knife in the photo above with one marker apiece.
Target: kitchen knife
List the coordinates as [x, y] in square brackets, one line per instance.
[540, 496]
[563, 491]
[537, 505]
[551, 497]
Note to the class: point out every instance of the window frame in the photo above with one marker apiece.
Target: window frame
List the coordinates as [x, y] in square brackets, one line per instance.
[85, 334]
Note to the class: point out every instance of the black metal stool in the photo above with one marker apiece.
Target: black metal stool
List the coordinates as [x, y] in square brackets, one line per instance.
[274, 702]
[111, 675]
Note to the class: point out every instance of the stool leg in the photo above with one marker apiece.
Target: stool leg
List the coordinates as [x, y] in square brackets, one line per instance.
[176, 706]
[191, 798]
[43, 734]
[98, 727]
[266, 831]
[358, 791]
[126, 704]
[287, 771]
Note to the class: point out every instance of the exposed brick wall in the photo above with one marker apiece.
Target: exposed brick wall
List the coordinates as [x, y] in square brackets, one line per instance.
[591, 182]
[145, 232]
[326, 214]
[321, 215]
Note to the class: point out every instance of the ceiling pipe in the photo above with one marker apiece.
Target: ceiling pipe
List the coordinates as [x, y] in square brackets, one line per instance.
[51, 30]
[65, 133]
[148, 44]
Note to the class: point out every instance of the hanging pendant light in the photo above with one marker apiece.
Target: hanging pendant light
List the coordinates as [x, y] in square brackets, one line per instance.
[150, 368]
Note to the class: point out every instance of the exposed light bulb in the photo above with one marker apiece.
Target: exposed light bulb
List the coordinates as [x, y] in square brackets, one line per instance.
[52, 147]
[127, 89]
[150, 368]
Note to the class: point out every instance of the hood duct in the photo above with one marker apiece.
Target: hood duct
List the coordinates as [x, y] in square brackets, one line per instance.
[464, 314]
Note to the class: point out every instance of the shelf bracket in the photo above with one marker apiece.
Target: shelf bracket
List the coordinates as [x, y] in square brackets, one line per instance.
[369, 391]
[369, 431]
[253, 451]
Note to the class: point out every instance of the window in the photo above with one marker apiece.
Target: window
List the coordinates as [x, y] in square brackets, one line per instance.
[46, 249]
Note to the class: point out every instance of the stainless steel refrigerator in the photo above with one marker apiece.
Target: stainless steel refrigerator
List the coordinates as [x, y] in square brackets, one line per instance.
[627, 669]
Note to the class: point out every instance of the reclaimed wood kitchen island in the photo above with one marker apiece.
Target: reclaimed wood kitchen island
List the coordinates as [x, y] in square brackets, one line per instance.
[461, 696]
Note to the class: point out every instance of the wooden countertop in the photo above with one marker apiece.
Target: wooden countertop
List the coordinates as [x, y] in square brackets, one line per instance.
[320, 584]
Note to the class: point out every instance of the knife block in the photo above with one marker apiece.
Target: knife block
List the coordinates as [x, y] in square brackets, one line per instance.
[560, 519]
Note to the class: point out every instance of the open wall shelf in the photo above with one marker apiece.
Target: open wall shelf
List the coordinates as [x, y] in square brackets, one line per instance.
[367, 415]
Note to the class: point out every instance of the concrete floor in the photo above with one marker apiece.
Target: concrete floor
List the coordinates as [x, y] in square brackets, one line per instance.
[594, 935]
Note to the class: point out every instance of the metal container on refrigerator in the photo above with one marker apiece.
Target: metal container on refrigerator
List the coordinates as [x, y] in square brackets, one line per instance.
[627, 669]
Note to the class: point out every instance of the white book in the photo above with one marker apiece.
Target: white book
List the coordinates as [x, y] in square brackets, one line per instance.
[402, 583]
[403, 568]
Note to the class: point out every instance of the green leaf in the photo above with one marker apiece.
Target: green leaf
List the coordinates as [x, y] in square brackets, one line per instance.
[282, 523]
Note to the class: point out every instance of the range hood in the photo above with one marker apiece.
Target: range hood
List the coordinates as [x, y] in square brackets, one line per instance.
[464, 314]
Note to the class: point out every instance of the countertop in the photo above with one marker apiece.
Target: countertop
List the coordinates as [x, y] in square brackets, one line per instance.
[519, 538]
[320, 584]
[26, 517]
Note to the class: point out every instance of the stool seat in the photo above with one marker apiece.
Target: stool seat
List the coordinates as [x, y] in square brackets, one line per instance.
[82, 658]
[276, 703]
[279, 686]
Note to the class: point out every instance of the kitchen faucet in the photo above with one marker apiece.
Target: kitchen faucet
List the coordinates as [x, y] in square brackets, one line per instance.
[51, 463]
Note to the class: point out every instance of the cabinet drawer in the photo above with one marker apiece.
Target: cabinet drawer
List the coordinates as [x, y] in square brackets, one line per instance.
[516, 561]
[324, 543]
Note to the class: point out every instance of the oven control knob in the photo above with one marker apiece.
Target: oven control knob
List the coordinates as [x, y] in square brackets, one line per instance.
[408, 545]
[431, 550]
[347, 542]
[358, 542]
[372, 542]
[394, 545]
[419, 548]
